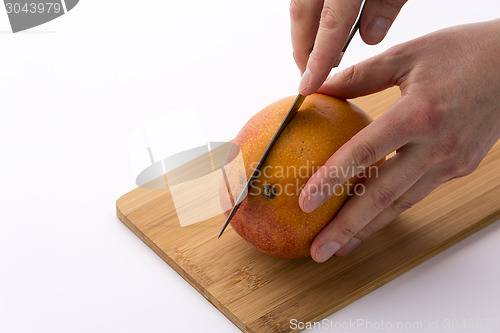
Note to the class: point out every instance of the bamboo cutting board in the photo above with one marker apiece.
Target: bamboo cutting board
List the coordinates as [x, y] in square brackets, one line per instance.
[259, 293]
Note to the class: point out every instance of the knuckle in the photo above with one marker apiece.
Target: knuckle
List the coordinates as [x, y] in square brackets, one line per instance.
[460, 167]
[319, 57]
[400, 205]
[394, 5]
[364, 154]
[330, 18]
[365, 233]
[349, 74]
[333, 184]
[382, 197]
[396, 52]
[471, 166]
[441, 152]
[468, 169]
[330, 180]
[450, 171]
[400, 55]
[465, 171]
[348, 231]
[296, 9]
[429, 118]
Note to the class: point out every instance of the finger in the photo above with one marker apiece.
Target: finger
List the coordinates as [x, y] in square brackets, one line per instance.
[378, 17]
[337, 19]
[349, 247]
[393, 180]
[304, 23]
[369, 76]
[386, 134]
[421, 189]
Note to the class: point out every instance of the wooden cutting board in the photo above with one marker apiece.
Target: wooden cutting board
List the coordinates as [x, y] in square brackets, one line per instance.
[259, 293]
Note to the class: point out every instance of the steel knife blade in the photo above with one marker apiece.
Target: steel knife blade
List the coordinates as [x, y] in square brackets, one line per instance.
[291, 112]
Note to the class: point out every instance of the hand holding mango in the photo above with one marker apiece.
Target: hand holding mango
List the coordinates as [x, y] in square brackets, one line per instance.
[447, 119]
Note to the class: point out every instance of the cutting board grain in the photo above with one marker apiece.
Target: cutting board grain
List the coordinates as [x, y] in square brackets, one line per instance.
[259, 293]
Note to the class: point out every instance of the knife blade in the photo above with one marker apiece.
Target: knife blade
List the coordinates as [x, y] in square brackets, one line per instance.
[291, 113]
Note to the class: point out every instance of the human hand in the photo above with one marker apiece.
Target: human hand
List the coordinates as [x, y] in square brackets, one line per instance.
[447, 119]
[320, 29]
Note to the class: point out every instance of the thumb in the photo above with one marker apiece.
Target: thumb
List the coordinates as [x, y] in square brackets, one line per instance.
[369, 76]
[378, 16]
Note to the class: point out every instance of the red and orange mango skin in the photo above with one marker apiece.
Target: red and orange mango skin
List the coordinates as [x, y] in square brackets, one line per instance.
[270, 218]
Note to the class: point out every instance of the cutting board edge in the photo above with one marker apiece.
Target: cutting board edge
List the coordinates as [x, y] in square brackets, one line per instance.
[169, 261]
[382, 280]
[400, 270]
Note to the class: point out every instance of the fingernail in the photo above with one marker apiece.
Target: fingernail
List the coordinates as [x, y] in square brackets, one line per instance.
[349, 247]
[377, 29]
[325, 251]
[304, 81]
[313, 201]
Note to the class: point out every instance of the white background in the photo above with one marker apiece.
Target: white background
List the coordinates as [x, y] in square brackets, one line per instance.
[71, 92]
